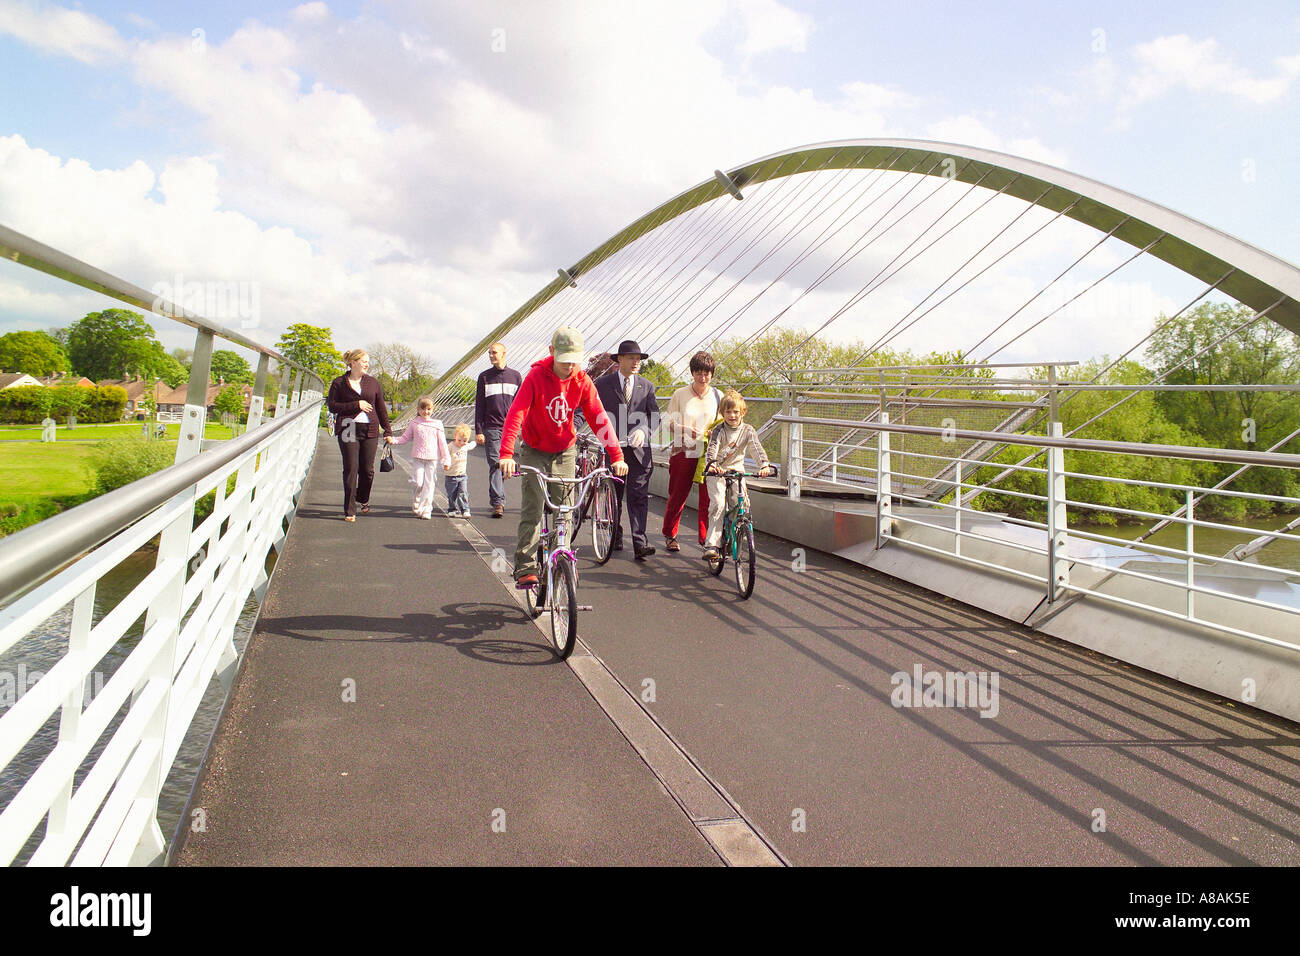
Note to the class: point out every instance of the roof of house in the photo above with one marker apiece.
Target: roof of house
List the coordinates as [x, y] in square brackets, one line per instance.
[15, 379]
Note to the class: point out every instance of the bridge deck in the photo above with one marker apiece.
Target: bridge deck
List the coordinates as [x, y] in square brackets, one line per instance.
[772, 714]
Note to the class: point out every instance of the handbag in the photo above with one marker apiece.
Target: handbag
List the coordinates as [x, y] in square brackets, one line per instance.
[386, 462]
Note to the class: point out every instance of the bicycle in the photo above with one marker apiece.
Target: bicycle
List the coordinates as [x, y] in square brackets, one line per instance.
[738, 536]
[557, 564]
[600, 497]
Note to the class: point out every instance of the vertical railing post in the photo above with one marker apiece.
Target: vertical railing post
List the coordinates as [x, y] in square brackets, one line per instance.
[1191, 548]
[835, 463]
[884, 507]
[786, 403]
[259, 390]
[956, 512]
[794, 486]
[282, 397]
[56, 829]
[1058, 565]
[196, 399]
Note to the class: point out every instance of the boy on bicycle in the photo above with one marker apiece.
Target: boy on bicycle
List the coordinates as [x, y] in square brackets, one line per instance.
[542, 416]
[728, 443]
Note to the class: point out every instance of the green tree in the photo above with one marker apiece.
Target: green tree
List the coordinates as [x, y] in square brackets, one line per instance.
[67, 400]
[161, 365]
[116, 343]
[35, 353]
[659, 374]
[411, 389]
[1262, 353]
[230, 400]
[313, 347]
[229, 366]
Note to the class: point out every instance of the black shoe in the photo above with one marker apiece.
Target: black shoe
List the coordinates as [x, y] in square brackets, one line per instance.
[643, 553]
[617, 545]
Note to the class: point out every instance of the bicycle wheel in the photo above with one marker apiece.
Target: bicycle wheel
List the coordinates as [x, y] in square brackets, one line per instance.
[564, 607]
[746, 560]
[715, 564]
[602, 523]
[581, 514]
[535, 598]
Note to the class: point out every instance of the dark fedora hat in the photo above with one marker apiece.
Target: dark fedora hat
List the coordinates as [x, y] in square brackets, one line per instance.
[629, 347]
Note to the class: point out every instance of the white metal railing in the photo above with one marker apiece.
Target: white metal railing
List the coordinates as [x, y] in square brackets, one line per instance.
[1069, 562]
[190, 601]
[126, 738]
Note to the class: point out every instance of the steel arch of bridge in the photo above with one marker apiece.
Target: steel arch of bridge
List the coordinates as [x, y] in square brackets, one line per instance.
[1252, 276]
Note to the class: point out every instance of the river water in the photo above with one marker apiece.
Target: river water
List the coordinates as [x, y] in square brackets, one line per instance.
[1280, 553]
[42, 649]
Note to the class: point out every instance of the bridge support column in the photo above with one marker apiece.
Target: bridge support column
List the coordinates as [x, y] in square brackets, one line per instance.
[1058, 564]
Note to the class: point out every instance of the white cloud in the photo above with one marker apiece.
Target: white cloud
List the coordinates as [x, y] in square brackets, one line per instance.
[56, 30]
[425, 200]
[771, 26]
[1200, 66]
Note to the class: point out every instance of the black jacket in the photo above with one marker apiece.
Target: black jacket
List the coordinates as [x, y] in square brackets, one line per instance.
[345, 403]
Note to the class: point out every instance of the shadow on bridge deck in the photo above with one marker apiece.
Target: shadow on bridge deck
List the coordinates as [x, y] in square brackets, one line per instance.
[779, 711]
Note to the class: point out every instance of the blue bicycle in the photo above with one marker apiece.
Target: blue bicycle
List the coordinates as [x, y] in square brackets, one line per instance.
[738, 536]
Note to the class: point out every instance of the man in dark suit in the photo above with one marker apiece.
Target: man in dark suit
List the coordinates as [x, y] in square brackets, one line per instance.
[630, 403]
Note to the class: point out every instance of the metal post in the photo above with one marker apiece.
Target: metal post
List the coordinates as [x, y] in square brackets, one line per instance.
[884, 508]
[196, 399]
[835, 463]
[259, 389]
[956, 514]
[1052, 392]
[795, 483]
[284, 402]
[1058, 565]
[1191, 574]
[786, 403]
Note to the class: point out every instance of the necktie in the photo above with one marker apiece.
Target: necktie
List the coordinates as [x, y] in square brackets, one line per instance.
[627, 389]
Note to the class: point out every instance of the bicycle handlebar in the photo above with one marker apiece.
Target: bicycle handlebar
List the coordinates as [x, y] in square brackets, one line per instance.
[742, 474]
[545, 479]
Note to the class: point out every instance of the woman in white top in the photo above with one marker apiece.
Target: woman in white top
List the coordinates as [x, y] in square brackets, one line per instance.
[691, 410]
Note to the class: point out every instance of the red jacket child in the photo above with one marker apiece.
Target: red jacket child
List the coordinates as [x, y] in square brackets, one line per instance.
[543, 412]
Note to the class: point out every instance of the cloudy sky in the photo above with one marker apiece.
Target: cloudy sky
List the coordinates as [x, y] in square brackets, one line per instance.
[412, 170]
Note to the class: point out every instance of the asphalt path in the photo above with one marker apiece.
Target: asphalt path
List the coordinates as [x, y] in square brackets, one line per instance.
[790, 703]
[396, 707]
[787, 701]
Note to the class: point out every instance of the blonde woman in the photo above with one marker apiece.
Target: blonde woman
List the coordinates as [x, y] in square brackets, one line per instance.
[357, 401]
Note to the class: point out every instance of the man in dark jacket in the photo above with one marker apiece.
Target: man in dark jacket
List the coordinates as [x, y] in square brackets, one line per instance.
[492, 397]
[629, 401]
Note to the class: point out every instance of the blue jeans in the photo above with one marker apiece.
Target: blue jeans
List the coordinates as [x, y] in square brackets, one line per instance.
[457, 492]
[496, 483]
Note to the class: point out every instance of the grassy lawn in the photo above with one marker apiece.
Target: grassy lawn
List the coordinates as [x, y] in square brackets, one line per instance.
[92, 433]
[38, 480]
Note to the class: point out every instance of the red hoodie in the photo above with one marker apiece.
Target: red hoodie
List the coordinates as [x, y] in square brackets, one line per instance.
[544, 407]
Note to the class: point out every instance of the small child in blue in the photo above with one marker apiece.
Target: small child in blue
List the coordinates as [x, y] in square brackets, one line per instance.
[454, 478]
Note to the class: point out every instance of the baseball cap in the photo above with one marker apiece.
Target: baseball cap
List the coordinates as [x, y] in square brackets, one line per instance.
[567, 344]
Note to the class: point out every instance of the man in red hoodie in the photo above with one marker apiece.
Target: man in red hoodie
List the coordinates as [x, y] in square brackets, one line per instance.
[542, 415]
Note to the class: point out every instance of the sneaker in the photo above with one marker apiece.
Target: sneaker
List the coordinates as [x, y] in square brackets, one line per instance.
[499, 511]
[464, 514]
[428, 517]
[711, 554]
[525, 581]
